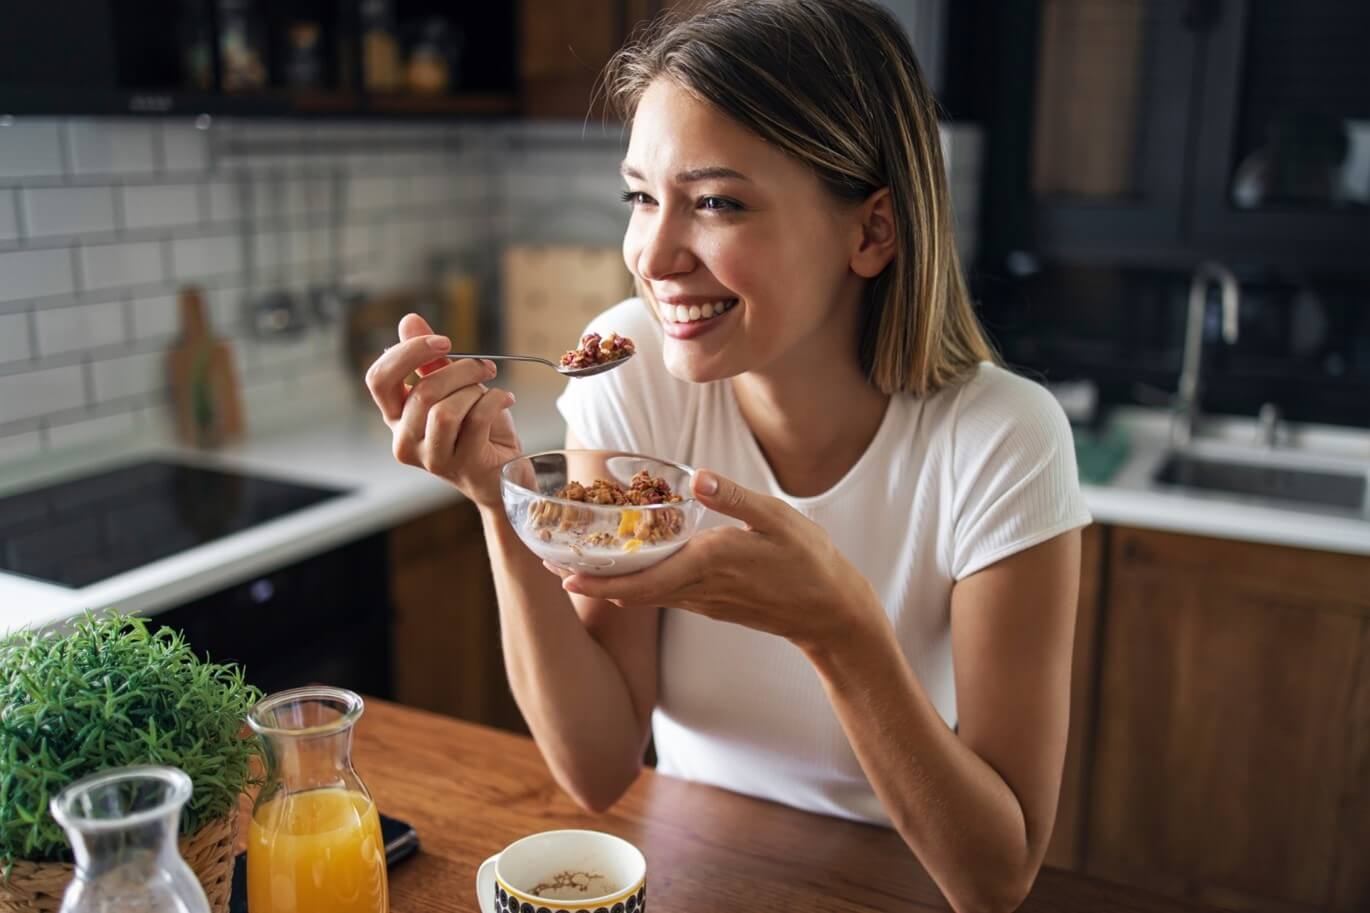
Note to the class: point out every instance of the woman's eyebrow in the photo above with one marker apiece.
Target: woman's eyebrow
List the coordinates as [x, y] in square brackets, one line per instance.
[713, 172]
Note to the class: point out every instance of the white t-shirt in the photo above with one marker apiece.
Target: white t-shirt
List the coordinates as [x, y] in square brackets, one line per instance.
[950, 484]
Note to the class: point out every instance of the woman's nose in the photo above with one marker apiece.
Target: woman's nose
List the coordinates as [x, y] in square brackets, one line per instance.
[663, 253]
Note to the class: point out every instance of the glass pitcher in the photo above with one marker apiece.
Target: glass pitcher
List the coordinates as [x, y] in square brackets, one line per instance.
[314, 844]
[122, 826]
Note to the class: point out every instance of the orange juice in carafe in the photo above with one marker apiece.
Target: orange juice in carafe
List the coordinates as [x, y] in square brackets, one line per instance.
[317, 851]
[314, 844]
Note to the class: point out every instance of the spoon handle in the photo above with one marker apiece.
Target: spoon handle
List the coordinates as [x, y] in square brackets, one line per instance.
[542, 361]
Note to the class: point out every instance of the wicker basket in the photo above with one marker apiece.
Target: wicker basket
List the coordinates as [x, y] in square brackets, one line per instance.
[37, 887]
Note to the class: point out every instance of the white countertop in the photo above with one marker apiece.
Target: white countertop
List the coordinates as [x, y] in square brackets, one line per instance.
[351, 449]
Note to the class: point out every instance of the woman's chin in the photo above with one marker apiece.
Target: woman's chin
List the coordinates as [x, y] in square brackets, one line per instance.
[694, 370]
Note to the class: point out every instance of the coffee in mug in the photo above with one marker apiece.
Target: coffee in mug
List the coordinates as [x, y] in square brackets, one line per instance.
[564, 872]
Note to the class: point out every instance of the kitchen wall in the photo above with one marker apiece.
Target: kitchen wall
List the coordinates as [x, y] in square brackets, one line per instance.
[103, 221]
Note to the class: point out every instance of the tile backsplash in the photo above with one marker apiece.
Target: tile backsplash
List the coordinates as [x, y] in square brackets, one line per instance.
[103, 221]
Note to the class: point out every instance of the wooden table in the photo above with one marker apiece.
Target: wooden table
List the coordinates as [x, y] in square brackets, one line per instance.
[470, 791]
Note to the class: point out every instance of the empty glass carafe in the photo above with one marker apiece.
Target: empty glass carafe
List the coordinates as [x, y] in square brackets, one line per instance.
[122, 826]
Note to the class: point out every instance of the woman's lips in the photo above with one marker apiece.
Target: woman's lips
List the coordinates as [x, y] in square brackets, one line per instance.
[683, 321]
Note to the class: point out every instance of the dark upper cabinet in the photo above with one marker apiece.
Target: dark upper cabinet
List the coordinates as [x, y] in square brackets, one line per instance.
[1282, 149]
[1163, 132]
[258, 57]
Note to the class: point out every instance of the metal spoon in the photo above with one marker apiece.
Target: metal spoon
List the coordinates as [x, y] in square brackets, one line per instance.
[589, 371]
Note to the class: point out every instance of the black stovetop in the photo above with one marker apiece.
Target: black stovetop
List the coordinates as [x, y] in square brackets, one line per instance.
[80, 531]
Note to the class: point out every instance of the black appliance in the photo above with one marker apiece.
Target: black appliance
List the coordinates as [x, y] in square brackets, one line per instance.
[80, 531]
[323, 619]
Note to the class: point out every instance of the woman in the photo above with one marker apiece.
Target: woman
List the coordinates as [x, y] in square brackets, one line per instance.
[897, 549]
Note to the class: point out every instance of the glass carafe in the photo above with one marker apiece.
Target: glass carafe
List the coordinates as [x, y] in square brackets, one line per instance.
[122, 826]
[314, 844]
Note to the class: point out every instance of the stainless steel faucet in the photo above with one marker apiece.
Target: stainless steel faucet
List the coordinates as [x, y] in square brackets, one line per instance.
[1187, 402]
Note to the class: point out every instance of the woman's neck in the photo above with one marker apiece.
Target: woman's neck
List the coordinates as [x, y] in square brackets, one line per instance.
[813, 414]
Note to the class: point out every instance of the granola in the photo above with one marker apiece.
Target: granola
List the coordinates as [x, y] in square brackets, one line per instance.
[636, 526]
[597, 350]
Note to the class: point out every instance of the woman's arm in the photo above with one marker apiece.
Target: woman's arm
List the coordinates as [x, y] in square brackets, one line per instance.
[976, 807]
[583, 673]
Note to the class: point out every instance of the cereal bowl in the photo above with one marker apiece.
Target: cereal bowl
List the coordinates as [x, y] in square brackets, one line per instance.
[600, 512]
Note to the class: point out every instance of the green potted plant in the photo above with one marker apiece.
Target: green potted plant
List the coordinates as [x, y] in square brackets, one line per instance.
[112, 693]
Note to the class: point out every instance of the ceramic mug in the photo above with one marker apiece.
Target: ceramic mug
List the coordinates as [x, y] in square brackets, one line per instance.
[564, 872]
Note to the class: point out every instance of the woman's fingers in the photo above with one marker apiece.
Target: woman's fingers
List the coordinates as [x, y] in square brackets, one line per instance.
[437, 404]
[475, 429]
[385, 377]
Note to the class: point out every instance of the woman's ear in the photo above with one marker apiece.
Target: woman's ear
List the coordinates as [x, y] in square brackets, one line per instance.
[875, 245]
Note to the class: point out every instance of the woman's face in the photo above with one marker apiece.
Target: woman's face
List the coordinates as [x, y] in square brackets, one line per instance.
[744, 254]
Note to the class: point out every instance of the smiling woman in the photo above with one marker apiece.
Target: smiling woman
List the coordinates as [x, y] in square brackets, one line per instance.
[875, 621]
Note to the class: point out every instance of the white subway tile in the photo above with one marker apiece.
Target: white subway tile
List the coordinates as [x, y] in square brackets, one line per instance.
[223, 201]
[14, 447]
[14, 337]
[184, 148]
[226, 306]
[68, 210]
[132, 375]
[356, 240]
[156, 318]
[30, 149]
[157, 207]
[113, 265]
[370, 193]
[73, 329]
[92, 431]
[40, 393]
[193, 258]
[9, 216]
[112, 147]
[31, 273]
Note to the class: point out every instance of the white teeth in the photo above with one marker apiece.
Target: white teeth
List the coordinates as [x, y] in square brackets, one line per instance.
[679, 313]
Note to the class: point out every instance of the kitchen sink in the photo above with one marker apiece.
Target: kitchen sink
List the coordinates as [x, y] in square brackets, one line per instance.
[1319, 487]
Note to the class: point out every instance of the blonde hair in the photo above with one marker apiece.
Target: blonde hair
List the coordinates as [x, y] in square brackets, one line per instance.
[835, 84]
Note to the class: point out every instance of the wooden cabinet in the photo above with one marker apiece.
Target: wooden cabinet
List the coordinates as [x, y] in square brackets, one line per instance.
[446, 646]
[564, 45]
[1067, 837]
[1230, 759]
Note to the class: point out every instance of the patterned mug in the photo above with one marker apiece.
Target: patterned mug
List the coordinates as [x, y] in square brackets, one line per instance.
[564, 872]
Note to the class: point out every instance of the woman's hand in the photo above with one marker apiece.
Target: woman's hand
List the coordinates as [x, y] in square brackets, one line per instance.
[780, 574]
[448, 423]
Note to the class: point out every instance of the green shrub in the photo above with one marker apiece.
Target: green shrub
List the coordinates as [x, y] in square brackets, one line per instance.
[111, 693]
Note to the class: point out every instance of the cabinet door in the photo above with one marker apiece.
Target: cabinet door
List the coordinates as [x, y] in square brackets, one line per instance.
[447, 653]
[1283, 145]
[1067, 837]
[1231, 748]
[1111, 106]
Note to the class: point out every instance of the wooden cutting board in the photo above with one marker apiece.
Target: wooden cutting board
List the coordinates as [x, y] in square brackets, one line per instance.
[204, 388]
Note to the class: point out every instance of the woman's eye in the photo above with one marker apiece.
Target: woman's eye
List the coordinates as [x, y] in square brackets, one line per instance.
[635, 198]
[719, 204]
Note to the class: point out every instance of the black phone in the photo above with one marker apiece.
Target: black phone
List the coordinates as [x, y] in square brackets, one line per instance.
[401, 842]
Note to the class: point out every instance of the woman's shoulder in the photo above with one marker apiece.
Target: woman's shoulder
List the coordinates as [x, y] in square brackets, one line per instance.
[993, 400]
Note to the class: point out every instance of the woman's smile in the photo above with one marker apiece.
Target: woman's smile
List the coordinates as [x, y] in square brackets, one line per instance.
[693, 317]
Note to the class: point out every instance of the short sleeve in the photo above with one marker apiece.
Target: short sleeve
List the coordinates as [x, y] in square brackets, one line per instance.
[1016, 483]
[633, 407]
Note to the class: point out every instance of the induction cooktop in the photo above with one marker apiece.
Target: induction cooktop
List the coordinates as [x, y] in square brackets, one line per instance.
[79, 531]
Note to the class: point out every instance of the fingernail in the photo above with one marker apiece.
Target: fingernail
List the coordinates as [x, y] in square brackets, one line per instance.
[706, 484]
[439, 343]
[489, 366]
[512, 399]
[570, 586]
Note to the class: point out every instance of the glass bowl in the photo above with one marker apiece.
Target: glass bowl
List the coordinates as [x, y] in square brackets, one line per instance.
[605, 540]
